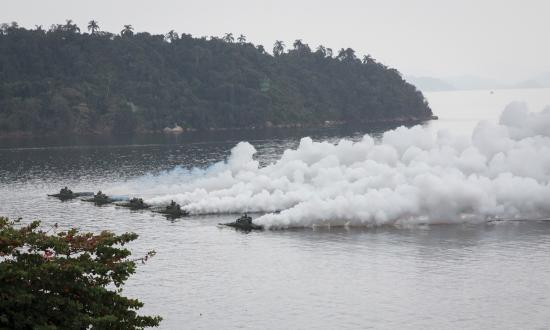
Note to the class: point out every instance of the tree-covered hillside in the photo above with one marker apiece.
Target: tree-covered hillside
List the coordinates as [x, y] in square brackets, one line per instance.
[63, 80]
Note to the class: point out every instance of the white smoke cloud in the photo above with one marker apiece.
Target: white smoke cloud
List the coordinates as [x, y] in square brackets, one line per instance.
[411, 175]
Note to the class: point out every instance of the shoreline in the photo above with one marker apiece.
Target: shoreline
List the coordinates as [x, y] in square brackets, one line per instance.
[267, 126]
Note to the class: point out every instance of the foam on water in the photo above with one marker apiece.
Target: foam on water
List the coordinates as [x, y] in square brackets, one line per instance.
[411, 175]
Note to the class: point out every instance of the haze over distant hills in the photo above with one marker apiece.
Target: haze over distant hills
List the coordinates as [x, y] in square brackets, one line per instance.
[540, 81]
[471, 82]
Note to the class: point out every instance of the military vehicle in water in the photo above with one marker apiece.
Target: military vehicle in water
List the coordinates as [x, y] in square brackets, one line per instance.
[66, 194]
[173, 210]
[244, 223]
[135, 204]
[100, 199]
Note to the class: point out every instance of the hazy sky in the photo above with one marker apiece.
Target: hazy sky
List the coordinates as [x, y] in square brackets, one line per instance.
[502, 39]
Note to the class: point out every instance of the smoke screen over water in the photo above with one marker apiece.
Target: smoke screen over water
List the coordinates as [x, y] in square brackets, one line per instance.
[409, 176]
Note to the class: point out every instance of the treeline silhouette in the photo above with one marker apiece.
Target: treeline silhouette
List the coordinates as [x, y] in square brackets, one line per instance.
[64, 80]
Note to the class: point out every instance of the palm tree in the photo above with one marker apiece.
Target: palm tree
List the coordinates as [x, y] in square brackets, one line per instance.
[70, 27]
[301, 47]
[367, 59]
[93, 27]
[298, 44]
[128, 31]
[228, 38]
[347, 54]
[350, 54]
[241, 39]
[322, 50]
[172, 35]
[278, 47]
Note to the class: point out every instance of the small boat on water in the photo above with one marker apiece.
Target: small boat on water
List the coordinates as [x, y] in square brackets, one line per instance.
[66, 194]
[173, 210]
[244, 223]
[134, 204]
[100, 199]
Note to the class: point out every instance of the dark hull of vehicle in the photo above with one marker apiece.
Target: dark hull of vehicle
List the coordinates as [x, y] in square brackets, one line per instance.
[71, 196]
[170, 214]
[133, 206]
[245, 227]
[99, 201]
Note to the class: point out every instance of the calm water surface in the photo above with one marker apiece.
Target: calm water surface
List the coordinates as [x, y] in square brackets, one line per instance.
[207, 277]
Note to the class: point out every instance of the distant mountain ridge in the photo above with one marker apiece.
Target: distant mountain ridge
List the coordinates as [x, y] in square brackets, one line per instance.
[65, 81]
[431, 84]
[540, 81]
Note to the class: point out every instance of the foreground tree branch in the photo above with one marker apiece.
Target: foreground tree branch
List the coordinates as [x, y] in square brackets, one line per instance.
[66, 280]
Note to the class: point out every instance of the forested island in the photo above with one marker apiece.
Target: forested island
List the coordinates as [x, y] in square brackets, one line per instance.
[63, 80]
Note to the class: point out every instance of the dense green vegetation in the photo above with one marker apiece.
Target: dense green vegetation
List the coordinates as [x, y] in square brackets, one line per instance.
[66, 280]
[62, 80]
